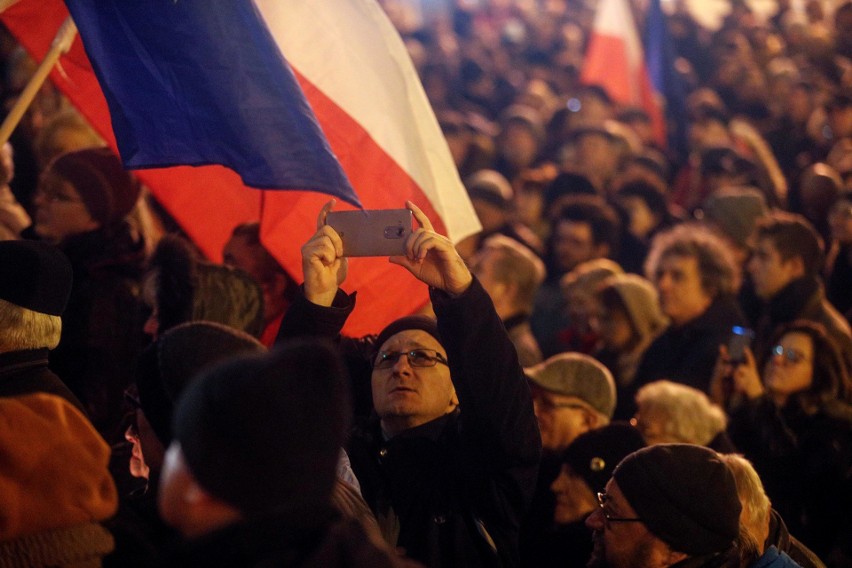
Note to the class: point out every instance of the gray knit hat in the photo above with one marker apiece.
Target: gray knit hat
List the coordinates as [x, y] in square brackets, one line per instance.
[575, 374]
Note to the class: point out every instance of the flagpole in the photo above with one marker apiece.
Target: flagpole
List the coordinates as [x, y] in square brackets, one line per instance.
[6, 4]
[61, 44]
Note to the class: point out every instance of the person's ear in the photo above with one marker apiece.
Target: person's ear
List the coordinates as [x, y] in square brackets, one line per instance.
[591, 420]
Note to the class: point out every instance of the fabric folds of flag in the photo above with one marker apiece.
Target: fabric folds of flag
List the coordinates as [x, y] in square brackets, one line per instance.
[196, 83]
[615, 60]
[360, 83]
[660, 61]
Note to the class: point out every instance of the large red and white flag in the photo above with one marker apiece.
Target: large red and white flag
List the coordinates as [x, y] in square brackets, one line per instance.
[354, 72]
[615, 60]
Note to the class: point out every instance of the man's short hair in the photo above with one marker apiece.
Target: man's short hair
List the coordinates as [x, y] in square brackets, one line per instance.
[793, 236]
[518, 265]
[687, 415]
[22, 329]
[716, 265]
[593, 210]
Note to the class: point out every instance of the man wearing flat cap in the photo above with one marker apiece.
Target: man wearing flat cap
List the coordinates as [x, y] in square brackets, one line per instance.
[666, 505]
[448, 460]
[35, 281]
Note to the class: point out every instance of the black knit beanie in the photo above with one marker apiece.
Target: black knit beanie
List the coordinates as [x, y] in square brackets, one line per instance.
[35, 275]
[423, 323]
[263, 433]
[685, 495]
[167, 365]
[593, 455]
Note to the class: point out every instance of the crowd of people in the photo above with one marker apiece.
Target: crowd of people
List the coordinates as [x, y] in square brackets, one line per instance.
[644, 359]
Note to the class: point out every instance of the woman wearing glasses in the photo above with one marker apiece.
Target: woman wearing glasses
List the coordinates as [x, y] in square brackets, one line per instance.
[794, 423]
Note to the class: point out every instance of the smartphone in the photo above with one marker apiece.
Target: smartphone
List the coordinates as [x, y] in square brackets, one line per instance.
[376, 232]
[741, 338]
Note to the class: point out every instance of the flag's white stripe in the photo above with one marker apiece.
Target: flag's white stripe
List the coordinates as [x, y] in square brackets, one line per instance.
[351, 52]
[614, 19]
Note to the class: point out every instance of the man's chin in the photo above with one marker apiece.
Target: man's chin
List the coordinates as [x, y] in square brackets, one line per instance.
[598, 558]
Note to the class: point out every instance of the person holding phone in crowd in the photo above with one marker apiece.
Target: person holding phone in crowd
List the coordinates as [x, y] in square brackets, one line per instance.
[793, 421]
[449, 459]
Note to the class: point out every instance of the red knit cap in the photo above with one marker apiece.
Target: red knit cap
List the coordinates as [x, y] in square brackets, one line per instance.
[108, 191]
[53, 467]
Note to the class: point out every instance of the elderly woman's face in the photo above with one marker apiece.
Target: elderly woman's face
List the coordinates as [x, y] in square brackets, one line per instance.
[790, 366]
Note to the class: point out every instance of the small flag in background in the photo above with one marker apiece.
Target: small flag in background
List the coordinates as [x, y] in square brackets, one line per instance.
[614, 59]
[359, 81]
[660, 60]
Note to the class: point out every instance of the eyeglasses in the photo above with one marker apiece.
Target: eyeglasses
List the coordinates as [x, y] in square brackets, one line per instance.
[790, 356]
[602, 499]
[416, 358]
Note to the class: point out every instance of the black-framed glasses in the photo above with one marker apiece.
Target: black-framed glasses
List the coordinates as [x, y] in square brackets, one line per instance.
[789, 355]
[416, 358]
[602, 499]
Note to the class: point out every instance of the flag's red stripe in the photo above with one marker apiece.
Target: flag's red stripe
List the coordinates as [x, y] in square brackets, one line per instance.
[209, 201]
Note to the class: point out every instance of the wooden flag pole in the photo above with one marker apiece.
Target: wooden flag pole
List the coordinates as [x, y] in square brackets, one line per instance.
[6, 3]
[61, 44]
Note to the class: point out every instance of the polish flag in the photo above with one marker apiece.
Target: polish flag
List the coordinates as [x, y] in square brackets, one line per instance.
[615, 60]
[350, 66]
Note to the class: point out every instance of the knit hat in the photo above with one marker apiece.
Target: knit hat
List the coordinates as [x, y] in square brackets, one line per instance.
[735, 211]
[53, 467]
[641, 303]
[35, 275]
[166, 366]
[263, 433]
[424, 323]
[490, 186]
[593, 455]
[576, 374]
[108, 191]
[684, 494]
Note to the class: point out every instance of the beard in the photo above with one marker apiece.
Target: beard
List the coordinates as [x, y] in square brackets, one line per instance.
[639, 557]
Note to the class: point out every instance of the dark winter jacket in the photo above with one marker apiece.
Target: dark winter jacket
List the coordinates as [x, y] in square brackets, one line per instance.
[805, 463]
[458, 486]
[780, 538]
[26, 372]
[102, 324]
[687, 353]
[317, 539]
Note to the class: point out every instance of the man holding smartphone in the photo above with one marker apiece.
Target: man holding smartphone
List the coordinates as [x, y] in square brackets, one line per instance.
[448, 461]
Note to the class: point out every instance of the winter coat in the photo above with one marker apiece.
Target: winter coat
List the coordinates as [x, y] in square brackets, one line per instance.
[102, 323]
[26, 372]
[317, 539]
[805, 463]
[687, 353]
[780, 538]
[456, 487]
